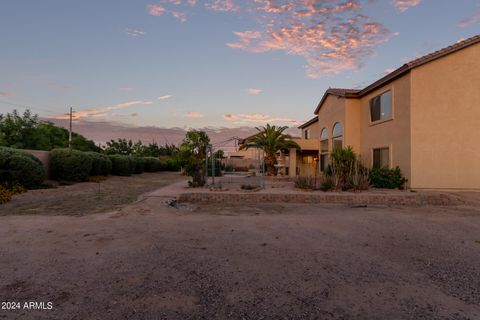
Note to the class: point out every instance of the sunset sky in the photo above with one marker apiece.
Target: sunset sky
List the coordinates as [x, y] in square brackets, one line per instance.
[231, 63]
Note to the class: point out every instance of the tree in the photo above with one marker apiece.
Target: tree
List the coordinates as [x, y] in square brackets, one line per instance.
[26, 131]
[121, 146]
[271, 139]
[192, 155]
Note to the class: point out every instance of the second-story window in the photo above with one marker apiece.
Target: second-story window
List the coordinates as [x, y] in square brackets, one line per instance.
[307, 134]
[381, 107]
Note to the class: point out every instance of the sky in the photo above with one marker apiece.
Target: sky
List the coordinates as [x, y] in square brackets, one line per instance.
[218, 64]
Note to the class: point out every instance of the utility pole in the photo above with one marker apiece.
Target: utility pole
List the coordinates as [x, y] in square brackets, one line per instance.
[70, 130]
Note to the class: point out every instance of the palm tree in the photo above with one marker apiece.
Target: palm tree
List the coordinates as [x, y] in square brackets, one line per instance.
[271, 139]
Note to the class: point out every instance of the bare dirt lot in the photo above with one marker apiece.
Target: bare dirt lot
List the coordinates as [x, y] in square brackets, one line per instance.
[87, 198]
[270, 261]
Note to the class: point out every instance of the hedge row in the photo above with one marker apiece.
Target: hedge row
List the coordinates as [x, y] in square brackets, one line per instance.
[74, 165]
[19, 167]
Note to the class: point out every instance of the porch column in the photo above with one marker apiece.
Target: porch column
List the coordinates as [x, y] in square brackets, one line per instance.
[292, 163]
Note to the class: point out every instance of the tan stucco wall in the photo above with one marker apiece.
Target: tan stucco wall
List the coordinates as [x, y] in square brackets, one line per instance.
[314, 131]
[332, 111]
[352, 125]
[394, 133]
[446, 122]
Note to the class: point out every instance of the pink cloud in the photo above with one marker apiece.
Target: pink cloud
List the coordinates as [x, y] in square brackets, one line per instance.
[404, 5]
[165, 97]
[331, 36]
[134, 32]
[7, 94]
[473, 19]
[259, 118]
[221, 5]
[254, 91]
[180, 16]
[103, 111]
[155, 10]
[194, 114]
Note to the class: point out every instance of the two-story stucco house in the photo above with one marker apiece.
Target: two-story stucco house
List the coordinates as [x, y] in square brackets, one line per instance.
[423, 117]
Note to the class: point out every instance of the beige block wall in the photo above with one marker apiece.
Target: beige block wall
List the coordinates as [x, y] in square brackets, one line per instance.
[394, 133]
[43, 156]
[446, 122]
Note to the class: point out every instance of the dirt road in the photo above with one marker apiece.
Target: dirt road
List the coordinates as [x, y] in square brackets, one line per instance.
[272, 261]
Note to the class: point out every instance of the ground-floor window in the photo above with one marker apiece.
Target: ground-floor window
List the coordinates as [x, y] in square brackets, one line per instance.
[323, 162]
[381, 158]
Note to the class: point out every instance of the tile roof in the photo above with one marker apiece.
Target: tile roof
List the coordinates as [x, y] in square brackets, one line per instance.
[352, 93]
[309, 122]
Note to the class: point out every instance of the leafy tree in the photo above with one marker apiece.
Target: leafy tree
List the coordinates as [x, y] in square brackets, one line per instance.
[19, 130]
[26, 131]
[271, 139]
[192, 156]
[121, 146]
[128, 147]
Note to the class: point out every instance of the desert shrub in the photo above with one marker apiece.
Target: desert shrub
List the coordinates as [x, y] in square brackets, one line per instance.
[229, 168]
[101, 164]
[249, 187]
[387, 178]
[121, 165]
[327, 183]
[153, 164]
[97, 179]
[19, 167]
[359, 177]
[70, 165]
[305, 183]
[343, 159]
[5, 195]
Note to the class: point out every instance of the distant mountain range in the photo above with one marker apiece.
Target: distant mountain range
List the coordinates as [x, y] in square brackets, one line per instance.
[101, 132]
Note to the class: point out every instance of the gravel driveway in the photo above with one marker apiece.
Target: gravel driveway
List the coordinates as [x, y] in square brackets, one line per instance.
[272, 261]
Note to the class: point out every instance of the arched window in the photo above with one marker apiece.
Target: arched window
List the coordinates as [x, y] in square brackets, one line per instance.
[324, 140]
[323, 149]
[337, 136]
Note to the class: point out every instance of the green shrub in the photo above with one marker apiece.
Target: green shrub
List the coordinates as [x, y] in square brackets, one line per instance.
[154, 164]
[121, 165]
[174, 165]
[387, 178]
[101, 164]
[70, 165]
[19, 167]
[139, 164]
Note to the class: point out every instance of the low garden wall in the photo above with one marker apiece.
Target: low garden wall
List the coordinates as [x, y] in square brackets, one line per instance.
[43, 157]
[404, 199]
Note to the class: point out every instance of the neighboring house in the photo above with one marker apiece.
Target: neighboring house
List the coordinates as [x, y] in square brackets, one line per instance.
[423, 117]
